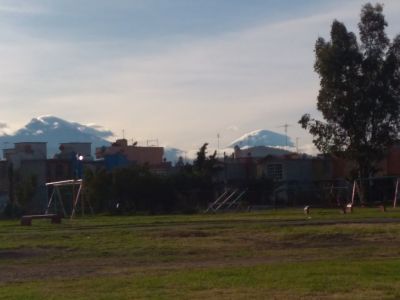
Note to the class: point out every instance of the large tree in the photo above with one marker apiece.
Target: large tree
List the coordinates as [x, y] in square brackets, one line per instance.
[359, 95]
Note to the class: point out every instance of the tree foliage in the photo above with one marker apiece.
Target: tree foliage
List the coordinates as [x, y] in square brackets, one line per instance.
[203, 164]
[136, 189]
[188, 188]
[359, 95]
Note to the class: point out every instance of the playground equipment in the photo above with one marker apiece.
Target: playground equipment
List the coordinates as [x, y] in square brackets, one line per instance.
[396, 192]
[56, 196]
[227, 200]
[356, 190]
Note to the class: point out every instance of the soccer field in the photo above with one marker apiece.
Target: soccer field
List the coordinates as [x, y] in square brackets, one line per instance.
[279, 254]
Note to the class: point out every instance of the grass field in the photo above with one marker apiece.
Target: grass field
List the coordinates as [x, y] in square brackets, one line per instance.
[278, 254]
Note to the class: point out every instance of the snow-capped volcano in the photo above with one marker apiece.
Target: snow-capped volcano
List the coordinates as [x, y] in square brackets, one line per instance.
[172, 154]
[54, 131]
[262, 138]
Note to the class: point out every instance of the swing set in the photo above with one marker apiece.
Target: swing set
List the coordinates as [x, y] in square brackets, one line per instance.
[56, 198]
[356, 190]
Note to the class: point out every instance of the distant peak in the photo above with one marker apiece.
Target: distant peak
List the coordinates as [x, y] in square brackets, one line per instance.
[262, 137]
[46, 120]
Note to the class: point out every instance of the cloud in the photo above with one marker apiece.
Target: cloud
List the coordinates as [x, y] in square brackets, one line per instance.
[309, 149]
[4, 129]
[183, 89]
[21, 7]
[233, 128]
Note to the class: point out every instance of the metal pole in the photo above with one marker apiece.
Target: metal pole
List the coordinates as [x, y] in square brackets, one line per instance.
[50, 201]
[395, 193]
[353, 193]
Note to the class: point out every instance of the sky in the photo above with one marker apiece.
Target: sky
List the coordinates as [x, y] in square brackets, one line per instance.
[180, 71]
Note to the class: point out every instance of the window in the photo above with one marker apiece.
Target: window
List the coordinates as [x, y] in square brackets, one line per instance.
[275, 171]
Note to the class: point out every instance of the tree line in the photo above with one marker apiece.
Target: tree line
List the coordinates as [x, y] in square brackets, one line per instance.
[190, 188]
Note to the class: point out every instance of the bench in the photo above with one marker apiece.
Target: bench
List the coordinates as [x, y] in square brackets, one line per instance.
[27, 220]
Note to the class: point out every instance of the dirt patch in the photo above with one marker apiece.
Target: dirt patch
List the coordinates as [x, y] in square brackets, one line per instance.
[304, 243]
[29, 253]
[320, 240]
[18, 254]
[110, 267]
[185, 233]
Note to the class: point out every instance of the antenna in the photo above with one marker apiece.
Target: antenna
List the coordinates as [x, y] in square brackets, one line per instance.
[297, 144]
[218, 136]
[185, 156]
[286, 131]
[152, 143]
[123, 133]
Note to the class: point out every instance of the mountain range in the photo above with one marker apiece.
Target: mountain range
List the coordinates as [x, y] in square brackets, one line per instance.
[54, 131]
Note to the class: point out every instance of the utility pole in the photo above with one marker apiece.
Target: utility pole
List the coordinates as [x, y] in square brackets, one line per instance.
[286, 131]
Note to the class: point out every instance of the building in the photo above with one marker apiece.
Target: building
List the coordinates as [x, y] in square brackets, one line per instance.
[295, 177]
[120, 154]
[4, 184]
[259, 152]
[72, 150]
[26, 170]
[301, 168]
[25, 151]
